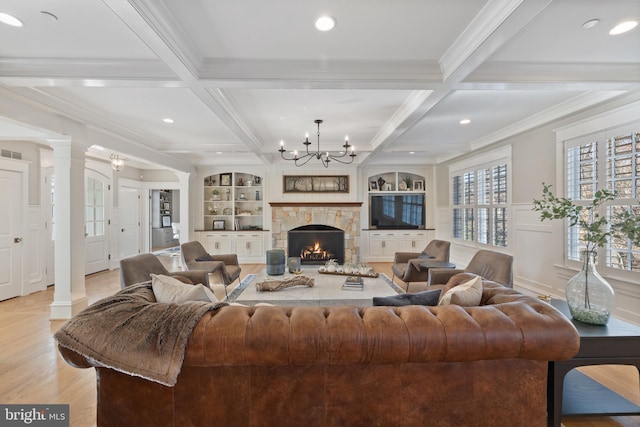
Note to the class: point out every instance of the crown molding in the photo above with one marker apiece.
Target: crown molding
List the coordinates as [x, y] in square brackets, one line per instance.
[556, 112]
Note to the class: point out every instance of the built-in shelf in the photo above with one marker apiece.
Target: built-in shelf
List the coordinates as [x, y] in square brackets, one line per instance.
[233, 201]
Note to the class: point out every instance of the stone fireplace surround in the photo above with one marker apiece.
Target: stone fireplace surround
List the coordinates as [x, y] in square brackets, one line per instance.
[343, 215]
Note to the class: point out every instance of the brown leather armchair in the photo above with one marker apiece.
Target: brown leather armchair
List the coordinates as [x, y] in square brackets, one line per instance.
[491, 265]
[406, 265]
[225, 266]
[139, 268]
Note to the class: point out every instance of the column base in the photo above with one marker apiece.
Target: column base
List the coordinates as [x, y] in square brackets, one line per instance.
[66, 310]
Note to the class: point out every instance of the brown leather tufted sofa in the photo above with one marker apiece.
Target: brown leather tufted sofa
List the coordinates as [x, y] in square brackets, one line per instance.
[354, 366]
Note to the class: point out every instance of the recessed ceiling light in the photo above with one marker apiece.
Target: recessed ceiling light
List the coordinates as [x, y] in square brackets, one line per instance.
[325, 23]
[5, 18]
[465, 121]
[219, 152]
[97, 147]
[167, 120]
[590, 23]
[623, 27]
[412, 152]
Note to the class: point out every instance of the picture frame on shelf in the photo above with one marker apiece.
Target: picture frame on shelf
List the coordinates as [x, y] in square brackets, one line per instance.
[166, 220]
[218, 224]
[373, 185]
[166, 206]
[418, 185]
[315, 184]
[225, 179]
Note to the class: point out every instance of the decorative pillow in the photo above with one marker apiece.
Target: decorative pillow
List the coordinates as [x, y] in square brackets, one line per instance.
[419, 298]
[206, 257]
[466, 294]
[170, 290]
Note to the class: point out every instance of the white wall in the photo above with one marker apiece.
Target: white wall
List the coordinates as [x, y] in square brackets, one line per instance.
[537, 247]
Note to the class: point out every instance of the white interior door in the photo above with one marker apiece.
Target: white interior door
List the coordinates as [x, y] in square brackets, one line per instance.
[10, 238]
[96, 226]
[129, 221]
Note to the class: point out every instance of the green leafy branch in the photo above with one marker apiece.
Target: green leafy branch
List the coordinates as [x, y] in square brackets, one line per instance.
[596, 228]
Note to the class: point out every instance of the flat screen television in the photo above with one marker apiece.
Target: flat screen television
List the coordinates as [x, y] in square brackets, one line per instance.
[396, 211]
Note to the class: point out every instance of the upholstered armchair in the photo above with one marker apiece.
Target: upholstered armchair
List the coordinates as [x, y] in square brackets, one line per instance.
[494, 266]
[224, 266]
[139, 268]
[406, 265]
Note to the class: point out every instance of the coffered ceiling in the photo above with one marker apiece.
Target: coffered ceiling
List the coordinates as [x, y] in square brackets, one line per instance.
[237, 77]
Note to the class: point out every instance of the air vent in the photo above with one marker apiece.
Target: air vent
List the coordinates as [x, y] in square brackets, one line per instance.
[11, 154]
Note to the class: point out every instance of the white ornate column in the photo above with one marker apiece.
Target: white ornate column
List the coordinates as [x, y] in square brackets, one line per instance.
[185, 223]
[69, 295]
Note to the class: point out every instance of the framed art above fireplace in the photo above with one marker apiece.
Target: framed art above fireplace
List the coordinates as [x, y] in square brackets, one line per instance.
[315, 184]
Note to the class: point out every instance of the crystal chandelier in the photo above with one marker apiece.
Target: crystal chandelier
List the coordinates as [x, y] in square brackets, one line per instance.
[117, 162]
[324, 156]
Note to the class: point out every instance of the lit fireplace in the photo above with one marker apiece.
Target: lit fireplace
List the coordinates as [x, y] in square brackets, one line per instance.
[315, 252]
[316, 244]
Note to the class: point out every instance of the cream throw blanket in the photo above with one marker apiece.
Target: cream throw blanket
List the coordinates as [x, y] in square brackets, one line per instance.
[132, 333]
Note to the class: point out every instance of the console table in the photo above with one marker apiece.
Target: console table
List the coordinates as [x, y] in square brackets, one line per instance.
[617, 343]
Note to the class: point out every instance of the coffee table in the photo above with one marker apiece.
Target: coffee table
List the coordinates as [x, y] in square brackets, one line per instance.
[617, 343]
[326, 291]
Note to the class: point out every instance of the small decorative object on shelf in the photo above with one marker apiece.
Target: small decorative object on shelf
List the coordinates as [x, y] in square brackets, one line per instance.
[240, 182]
[381, 182]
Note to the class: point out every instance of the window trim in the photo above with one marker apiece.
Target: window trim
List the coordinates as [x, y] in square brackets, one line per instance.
[600, 127]
[487, 160]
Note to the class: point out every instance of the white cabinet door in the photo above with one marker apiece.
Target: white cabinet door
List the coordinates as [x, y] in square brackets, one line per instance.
[383, 244]
[248, 245]
[411, 241]
[216, 243]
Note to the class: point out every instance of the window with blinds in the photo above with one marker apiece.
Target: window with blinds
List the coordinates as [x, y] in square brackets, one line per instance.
[480, 205]
[620, 167]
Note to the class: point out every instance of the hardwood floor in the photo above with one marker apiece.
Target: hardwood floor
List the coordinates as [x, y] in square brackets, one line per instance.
[32, 372]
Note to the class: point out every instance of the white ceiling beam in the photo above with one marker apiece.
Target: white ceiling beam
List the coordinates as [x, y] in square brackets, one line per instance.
[496, 23]
[152, 22]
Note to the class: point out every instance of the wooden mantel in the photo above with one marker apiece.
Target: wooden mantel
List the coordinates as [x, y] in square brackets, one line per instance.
[315, 204]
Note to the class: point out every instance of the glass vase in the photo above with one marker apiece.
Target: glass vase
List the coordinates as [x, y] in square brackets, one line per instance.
[589, 296]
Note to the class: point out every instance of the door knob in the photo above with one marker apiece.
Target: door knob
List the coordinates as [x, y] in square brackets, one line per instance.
[17, 240]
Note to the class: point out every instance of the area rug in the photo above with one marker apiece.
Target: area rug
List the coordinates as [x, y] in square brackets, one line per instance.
[589, 396]
[241, 287]
[174, 251]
